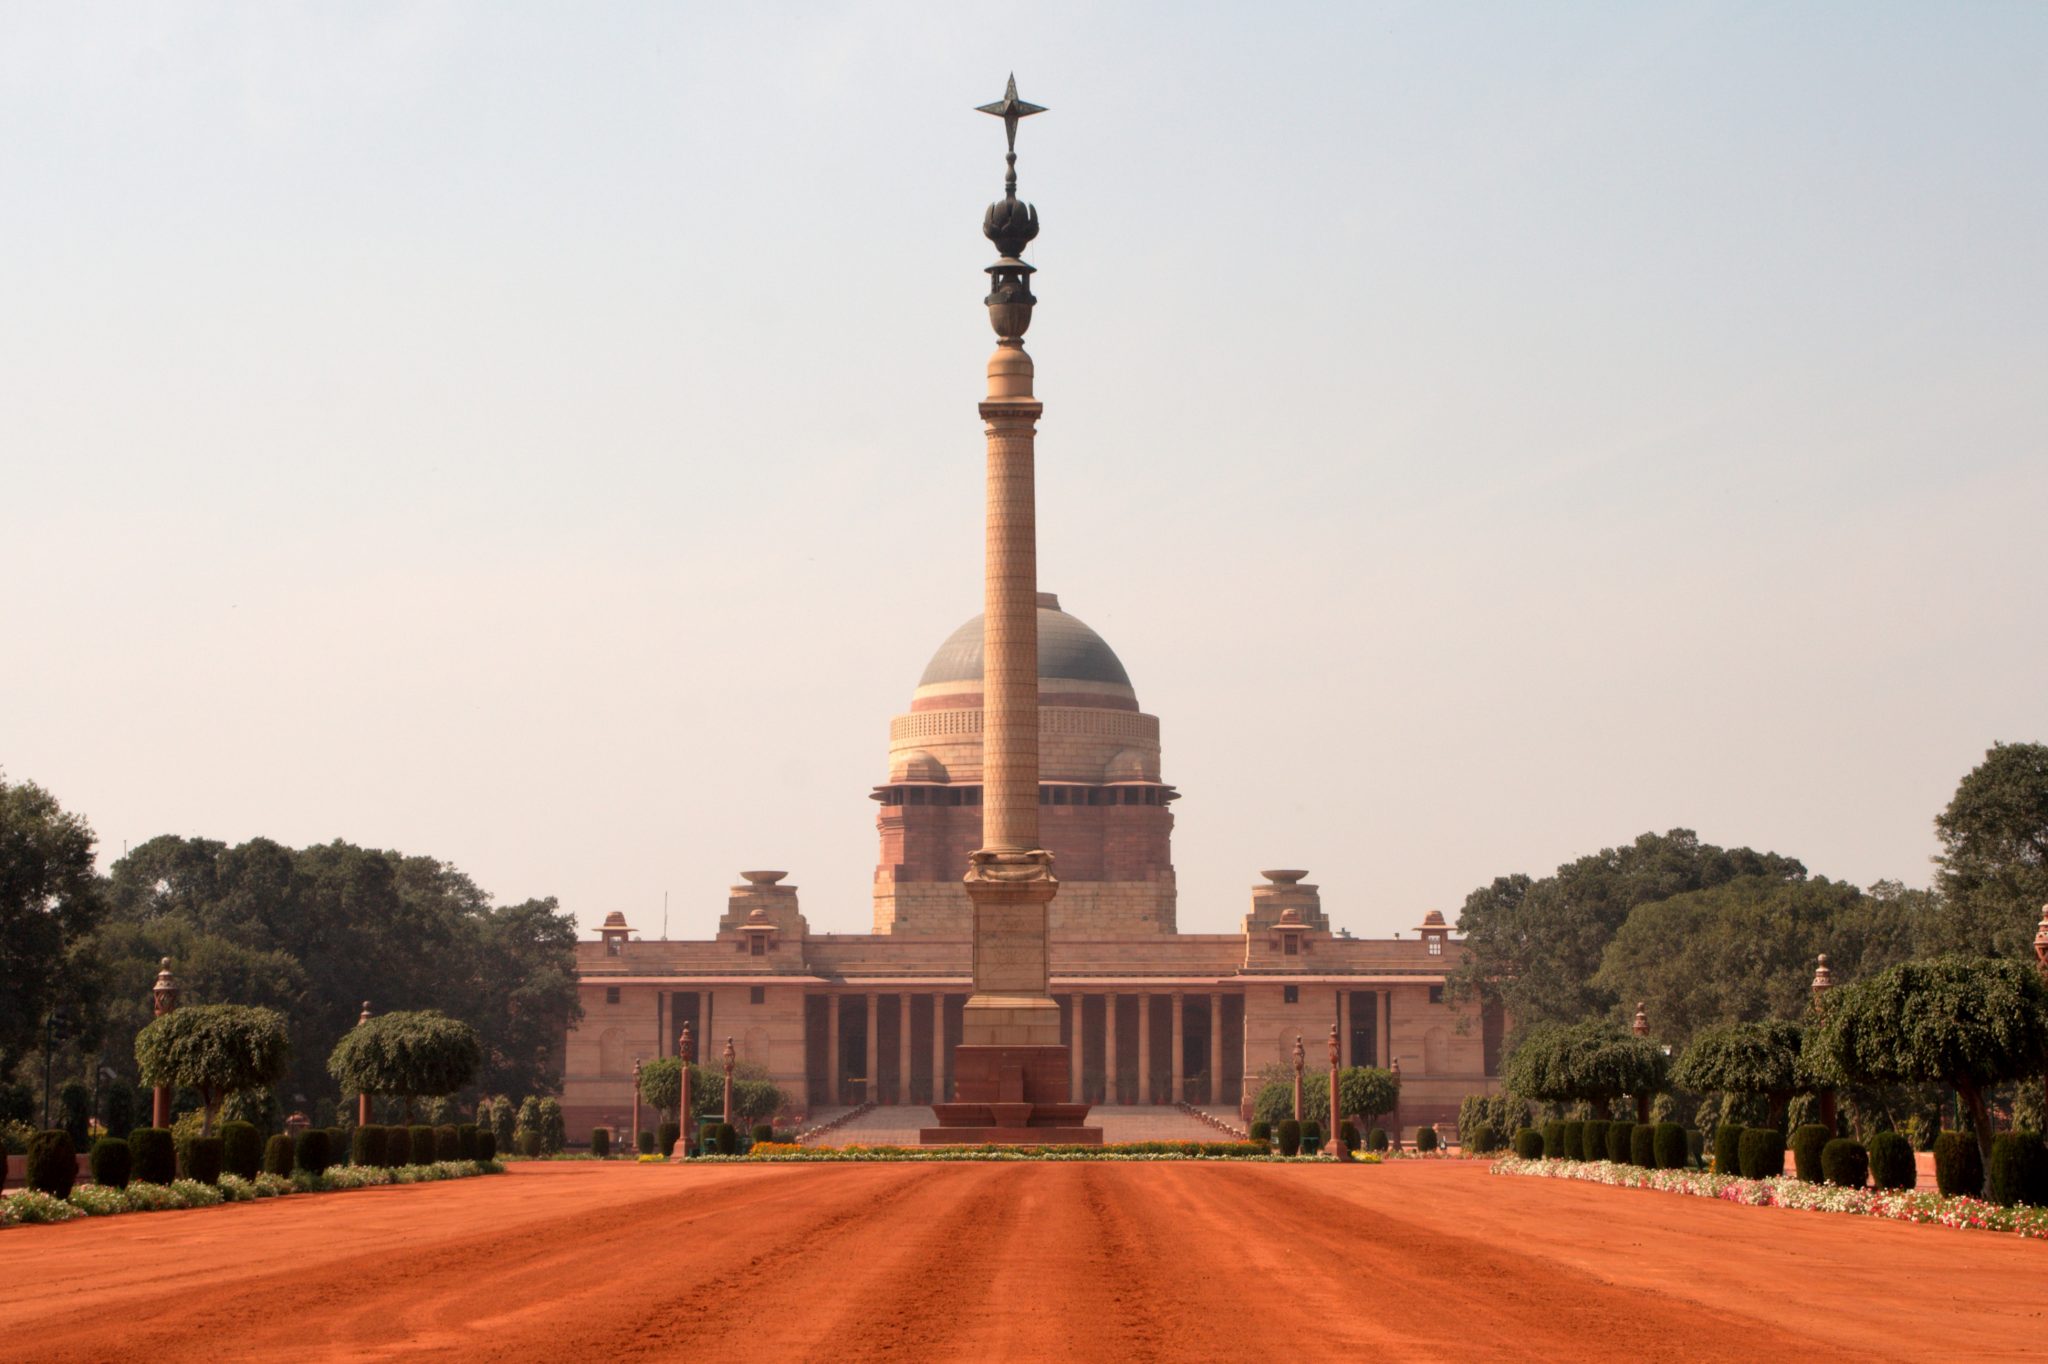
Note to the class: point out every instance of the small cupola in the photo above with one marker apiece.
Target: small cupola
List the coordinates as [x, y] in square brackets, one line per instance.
[614, 934]
[1434, 932]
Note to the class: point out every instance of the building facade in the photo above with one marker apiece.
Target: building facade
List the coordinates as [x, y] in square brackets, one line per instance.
[1152, 1015]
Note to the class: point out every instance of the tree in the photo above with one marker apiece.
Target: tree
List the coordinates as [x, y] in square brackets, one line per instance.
[1592, 1062]
[1746, 1058]
[408, 1053]
[49, 901]
[1994, 858]
[1534, 946]
[1367, 1092]
[216, 1049]
[661, 1084]
[1967, 1022]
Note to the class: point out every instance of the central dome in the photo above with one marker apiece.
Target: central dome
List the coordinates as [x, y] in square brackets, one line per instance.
[1067, 650]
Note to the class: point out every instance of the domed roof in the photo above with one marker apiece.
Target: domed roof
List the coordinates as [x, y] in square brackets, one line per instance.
[1067, 649]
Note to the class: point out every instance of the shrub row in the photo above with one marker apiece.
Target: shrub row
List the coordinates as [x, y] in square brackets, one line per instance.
[1654, 1146]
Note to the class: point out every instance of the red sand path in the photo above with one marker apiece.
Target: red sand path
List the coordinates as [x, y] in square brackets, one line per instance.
[1084, 1261]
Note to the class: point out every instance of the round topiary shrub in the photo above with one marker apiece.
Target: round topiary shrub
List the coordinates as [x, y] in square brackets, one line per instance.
[1311, 1137]
[1845, 1162]
[764, 1131]
[366, 1145]
[111, 1163]
[1958, 1166]
[241, 1149]
[2019, 1170]
[728, 1139]
[1728, 1149]
[397, 1147]
[447, 1145]
[1593, 1140]
[1891, 1162]
[1376, 1140]
[1529, 1144]
[1553, 1140]
[1806, 1146]
[665, 1141]
[337, 1146]
[487, 1144]
[1619, 1135]
[1573, 1140]
[645, 1142]
[529, 1144]
[52, 1165]
[278, 1155]
[1260, 1131]
[1761, 1153]
[601, 1142]
[1642, 1145]
[466, 1134]
[1668, 1146]
[1352, 1136]
[1289, 1137]
[1482, 1140]
[422, 1144]
[202, 1158]
[154, 1153]
[315, 1151]
[1425, 1138]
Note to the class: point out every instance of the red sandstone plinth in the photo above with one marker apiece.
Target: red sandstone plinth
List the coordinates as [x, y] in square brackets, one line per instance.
[1014, 1096]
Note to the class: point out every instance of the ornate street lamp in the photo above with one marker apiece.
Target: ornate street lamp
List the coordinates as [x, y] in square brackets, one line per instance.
[363, 1099]
[636, 1106]
[1300, 1057]
[1337, 1147]
[1824, 981]
[163, 998]
[730, 1056]
[686, 1052]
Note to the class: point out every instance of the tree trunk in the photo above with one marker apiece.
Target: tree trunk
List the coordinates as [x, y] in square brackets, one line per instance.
[1980, 1118]
[1642, 1108]
[1780, 1101]
[209, 1103]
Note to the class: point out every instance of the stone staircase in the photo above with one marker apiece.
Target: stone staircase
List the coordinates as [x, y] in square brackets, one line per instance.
[899, 1124]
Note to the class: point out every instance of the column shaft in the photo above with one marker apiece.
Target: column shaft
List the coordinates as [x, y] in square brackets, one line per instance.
[1178, 1088]
[874, 1073]
[1010, 634]
[1109, 1094]
[1144, 1047]
[938, 1048]
[1215, 1049]
[903, 1048]
[1344, 1026]
[835, 1088]
[1077, 1018]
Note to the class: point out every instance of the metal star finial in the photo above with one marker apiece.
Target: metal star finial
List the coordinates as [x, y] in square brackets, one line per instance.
[1009, 109]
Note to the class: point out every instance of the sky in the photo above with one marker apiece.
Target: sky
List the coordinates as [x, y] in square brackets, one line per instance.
[543, 437]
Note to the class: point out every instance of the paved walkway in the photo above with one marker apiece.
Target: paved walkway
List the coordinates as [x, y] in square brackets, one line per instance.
[899, 1125]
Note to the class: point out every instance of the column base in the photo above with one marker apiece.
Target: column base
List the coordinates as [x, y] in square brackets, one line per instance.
[1011, 1095]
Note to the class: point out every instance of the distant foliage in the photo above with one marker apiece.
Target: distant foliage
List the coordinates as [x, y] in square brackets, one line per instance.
[1288, 1133]
[554, 1134]
[413, 1054]
[1728, 1149]
[467, 1135]
[112, 1164]
[397, 1146]
[52, 1163]
[1807, 1143]
[1592, 1062]
[1425, 1138]
[1845, 1162]
[241, 1149]
[1480, 1139]
[200, 1159]
[1593, 1139]
[1529, 1144]
[154, 1154]
[1260, 1130]
[1553, 1140]
[425, 1145]
[1762, 1153]
[315, 1152]
[1503, 1112]
[447, 1142]
[1669, 1146]
[1642, 1145]
[2018, 1172]
[1311, 1136]
[1376, 1139]
[216, 1049]
[366, 1147]
[1574, 1139]
[1619, 1135]
[1892, 1165]
[669, 1134]
[486, 1146]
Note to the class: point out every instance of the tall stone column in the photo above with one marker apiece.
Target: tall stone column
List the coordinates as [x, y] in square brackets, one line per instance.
[903, 1048]
[1144, 1046]
[939, 1048]
[363, 1099]
[1109, 1094]
[1177, 1089]
[1343, 1023]
[874, 1076]
[835, 1081]
[163, 998]
[1077, 1041]
[1215, 1049]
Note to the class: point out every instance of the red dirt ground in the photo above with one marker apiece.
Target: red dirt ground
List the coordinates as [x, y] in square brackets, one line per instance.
[1412, 1260]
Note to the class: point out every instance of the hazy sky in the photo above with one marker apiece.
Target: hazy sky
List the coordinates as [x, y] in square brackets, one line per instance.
[544, 437]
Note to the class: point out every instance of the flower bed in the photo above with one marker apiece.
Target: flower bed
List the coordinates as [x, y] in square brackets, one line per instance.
[784, 1152]
[93, 1200]
[1904, 1205]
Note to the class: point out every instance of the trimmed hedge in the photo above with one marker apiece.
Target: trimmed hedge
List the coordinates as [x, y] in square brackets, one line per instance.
[645, 1142]
[447, 1142]
[1806, 1147]
[278, 1155]
[52, 1165]
[1642, 1145]
[397, 1146]
[466, 1135]
[1260, 1130]
[1762, 1153]
[366, 1145]
[111, 1163]
[1572, 1140]
[1958, 1167]
[1620, 1139]
[337, 1146]
[2019, 1170]
[1529, 1144]
[1553, 1140]
[728, 1139]
[601, 1142]
[1352, 1136]
[1425, 1138]
[764, 1131]
[315, 1151]
[422, 1144]
[154, 1153]
[1844, 1162]
[1728, 1149]
[1311, 1137]
[1482, 1140]
[1593, 1142]
[486, 1144]
[1376, 1140]
[202, 1158]
[1891, 1162]
[1668, 1146]
[665, 1143]
[1289, 1137]
[241, 1149]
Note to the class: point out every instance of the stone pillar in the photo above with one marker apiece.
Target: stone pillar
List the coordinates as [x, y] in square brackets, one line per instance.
[636, 1106]
[1077, 1037]
[1215, 1049]
[1300, 1059]
[835, 1082]
[903, 1049]
[163, 998]
[1109, 1047]
[1823, 981]
[1386, 1039]
[1144, 1046]
[686, 1103]
[363, 1099]
[874, 1059]
[1343, 1023]
[1177, 1090]
[939, 1048]
[1336, 1147]
[729, 1057]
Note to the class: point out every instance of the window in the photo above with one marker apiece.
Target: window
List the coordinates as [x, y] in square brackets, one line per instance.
[1290, 994]
[757, 994]
[1293, 946]
[611, 994]
[614, 945]
[759, 944]
[1436, 994]
[1436, 947]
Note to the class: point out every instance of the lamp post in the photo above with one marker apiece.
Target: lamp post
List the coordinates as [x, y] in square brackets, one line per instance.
[2041, 965]
[1300, 1056]
[1641, 1028]
[730, 1055]
[686, 1052]
[1824, 981]
[636, 1106]
[163, 998]
[1394, 1069]
[363, 1099]
[1337, 1147]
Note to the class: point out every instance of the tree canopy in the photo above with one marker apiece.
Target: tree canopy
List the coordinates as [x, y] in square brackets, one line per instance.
[1366, 1091]
[410, 1054]
[1594, 1062]
[217, 1049]
[1994, 858]
[1746, 1058]
[1968, 1022]
[49, 901]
